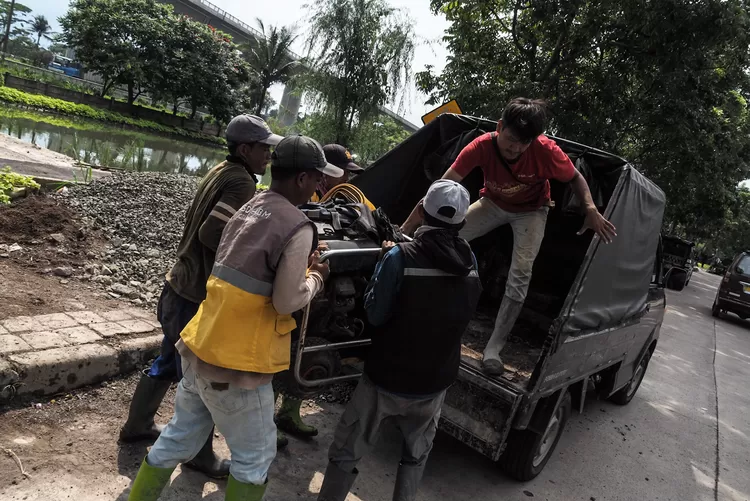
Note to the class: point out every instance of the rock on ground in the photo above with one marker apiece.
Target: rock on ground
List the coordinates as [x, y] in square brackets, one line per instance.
[142, 215]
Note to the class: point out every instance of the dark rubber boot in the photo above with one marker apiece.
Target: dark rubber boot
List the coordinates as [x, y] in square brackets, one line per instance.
[206, 461]
[239, 491]
[140, 424]
[506, 319]
[281, 440]
[407, 482]
[336, 484]
[149, 483]
[288, 419]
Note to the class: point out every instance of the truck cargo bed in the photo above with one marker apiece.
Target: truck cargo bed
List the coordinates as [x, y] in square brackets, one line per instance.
[521, 352]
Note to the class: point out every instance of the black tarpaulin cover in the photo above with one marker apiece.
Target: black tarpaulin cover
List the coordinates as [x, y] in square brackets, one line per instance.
[613, 281]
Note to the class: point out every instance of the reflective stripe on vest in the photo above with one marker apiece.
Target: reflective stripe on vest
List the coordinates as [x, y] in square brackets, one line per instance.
[434, 272]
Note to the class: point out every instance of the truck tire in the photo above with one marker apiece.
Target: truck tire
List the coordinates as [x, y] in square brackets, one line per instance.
[715, 311]
[526, 452]
[624, 395]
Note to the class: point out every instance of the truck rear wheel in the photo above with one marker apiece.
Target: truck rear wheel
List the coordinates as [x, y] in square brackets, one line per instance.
[526, 452]
[626, 394]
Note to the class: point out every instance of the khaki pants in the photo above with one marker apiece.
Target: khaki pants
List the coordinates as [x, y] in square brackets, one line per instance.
[528, 232]
[369, 408]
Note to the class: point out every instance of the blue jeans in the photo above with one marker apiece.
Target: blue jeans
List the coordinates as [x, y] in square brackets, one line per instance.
[174, 313]
[244, 417]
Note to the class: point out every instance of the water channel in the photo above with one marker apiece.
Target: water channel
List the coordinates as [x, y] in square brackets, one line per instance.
[108, 145]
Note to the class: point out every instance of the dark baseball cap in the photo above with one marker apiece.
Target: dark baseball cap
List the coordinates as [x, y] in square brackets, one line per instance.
[340, 157]
[301, 153]
[250, 129]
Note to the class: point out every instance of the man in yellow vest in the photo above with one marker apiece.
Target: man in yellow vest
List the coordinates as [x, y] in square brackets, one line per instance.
[266, 268]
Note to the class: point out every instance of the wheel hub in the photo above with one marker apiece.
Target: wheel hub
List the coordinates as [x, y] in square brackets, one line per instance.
[548, 440]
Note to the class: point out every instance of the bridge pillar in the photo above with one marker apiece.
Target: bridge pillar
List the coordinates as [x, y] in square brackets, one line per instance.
[289, 106]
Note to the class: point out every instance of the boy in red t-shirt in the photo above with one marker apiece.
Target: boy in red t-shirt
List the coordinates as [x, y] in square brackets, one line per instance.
[517, 162]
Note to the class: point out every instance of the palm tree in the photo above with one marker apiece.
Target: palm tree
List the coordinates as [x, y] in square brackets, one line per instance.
[41, 27]
[271, 60]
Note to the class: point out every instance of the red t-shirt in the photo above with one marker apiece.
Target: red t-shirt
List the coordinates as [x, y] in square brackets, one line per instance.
[529, 189]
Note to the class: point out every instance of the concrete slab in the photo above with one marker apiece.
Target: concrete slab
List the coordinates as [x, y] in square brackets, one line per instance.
[61, 369]
[7, 374]
[3, 330]
[8, 378]
[109, 329]
[56, 321]
[133, 353]
[11, 344]
[116, 315]
[137, 326]
[44, 339]
[140, 313]
[86, 317]
[79, 335]
[22, 324]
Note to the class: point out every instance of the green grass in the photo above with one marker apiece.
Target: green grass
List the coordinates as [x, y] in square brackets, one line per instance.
[38, 101]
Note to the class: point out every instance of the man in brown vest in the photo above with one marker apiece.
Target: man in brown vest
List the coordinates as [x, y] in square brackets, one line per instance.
[266, 268]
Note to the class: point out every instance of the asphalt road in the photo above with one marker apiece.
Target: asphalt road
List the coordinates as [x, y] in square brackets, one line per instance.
[685, 436]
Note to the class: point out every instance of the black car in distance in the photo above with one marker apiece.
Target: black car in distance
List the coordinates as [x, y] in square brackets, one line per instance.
[734, 291]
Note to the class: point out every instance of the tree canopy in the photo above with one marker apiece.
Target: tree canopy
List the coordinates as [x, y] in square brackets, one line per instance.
[361, 54]
[41, 28]
[662, 83]
[144, 46]
[270, 60]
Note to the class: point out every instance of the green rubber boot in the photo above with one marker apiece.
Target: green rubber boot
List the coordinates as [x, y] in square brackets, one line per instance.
[239, 491]
[149, 483]
[289, 420]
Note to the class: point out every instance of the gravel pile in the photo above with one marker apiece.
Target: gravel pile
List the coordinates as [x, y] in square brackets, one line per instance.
[142, 215]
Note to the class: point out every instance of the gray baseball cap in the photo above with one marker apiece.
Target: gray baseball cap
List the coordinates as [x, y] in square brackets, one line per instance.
[300, 152]
[250, 129]
[447, 201]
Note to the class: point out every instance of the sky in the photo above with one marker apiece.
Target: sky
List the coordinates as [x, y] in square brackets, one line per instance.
[428, 28]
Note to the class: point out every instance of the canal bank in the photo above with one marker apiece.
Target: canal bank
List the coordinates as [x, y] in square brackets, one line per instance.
[60, 147]
[45, 165]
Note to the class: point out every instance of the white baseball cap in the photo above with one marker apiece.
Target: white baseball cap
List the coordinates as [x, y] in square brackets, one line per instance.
[447, 201]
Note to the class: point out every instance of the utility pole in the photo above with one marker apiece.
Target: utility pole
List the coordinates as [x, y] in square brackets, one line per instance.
[8, 23]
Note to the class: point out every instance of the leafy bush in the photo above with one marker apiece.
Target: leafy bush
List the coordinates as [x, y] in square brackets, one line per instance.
[38, 101]
[31, 73]
[9, 181]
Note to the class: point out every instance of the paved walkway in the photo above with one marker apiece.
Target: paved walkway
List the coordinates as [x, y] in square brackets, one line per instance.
[48, 354]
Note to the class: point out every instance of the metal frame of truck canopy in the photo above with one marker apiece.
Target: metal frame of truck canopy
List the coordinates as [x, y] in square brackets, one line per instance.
[610, 291]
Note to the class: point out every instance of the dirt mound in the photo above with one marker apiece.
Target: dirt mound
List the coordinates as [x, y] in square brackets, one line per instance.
[37, 216]
[43, 233]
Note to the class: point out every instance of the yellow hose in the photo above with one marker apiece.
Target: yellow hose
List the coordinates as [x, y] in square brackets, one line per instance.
[349, 192]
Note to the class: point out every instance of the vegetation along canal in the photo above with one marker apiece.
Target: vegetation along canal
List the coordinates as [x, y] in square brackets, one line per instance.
[105, 145]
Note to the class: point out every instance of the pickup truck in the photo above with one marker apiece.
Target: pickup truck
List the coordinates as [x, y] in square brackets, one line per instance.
[590, 322]
[679, 261]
